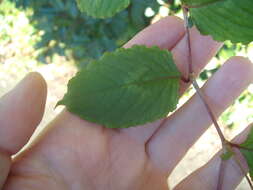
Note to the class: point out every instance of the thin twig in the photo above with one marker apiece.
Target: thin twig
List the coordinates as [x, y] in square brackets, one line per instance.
[208, 108]
[221, 174]
[191, 75]
[240, 147]
[194, 82]
[202, 97]
[226, 145]
[187, 26]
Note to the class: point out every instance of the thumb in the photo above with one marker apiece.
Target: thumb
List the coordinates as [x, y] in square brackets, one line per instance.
[21, 110]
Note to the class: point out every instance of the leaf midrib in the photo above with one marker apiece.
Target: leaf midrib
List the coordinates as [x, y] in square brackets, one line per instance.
[135, 83]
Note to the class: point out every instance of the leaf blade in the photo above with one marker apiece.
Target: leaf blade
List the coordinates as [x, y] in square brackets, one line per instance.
[102, 8]
[225, 20]
[247, 151]
[125, 88]
[198, 2]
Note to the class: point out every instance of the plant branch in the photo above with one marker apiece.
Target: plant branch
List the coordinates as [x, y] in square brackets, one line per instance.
[194, 82]
[221, 174]
[208, 108]
[240, 147]
[225, 144]
[187, 26]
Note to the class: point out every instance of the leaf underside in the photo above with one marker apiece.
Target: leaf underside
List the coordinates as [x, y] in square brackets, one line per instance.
[224, 19]
[102, 8]
[247, 152]
[125, 88]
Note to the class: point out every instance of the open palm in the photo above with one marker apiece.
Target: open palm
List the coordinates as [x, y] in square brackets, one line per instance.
[74, 154]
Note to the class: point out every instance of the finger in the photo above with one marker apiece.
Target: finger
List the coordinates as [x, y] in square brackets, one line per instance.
[164, 34]
[5, 163]
[206, 177]
[21, 111]
[191, 120]
[54, 157]
[203, 49]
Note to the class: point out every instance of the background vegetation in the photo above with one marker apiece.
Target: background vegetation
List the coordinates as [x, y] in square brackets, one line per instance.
[63, 30]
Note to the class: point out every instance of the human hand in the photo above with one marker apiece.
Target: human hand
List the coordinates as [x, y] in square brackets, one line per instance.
[74, 154]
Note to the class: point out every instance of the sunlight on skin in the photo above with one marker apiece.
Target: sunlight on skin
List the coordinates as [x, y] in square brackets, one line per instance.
[74, 154]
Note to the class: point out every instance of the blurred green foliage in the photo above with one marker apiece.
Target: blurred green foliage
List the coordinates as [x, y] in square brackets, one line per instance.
[68, 32]
[17, 37]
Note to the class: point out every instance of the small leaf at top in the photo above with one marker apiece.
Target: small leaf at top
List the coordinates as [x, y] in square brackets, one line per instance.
[224, 19]
[125, 88]
[247, 151]
[102, 8]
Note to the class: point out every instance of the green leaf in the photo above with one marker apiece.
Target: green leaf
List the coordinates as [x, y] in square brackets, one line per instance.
[125, 88]
[198, 2]
[224, 19]
[247, 151]
[102, 8]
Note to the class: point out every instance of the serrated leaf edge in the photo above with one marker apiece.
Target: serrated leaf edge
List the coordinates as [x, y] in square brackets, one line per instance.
[89, 13]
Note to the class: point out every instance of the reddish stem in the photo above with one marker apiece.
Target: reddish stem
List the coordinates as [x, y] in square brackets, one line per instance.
[190, 69]
[209, 110]
[226, 145]
[221, 174]
[240, 147]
